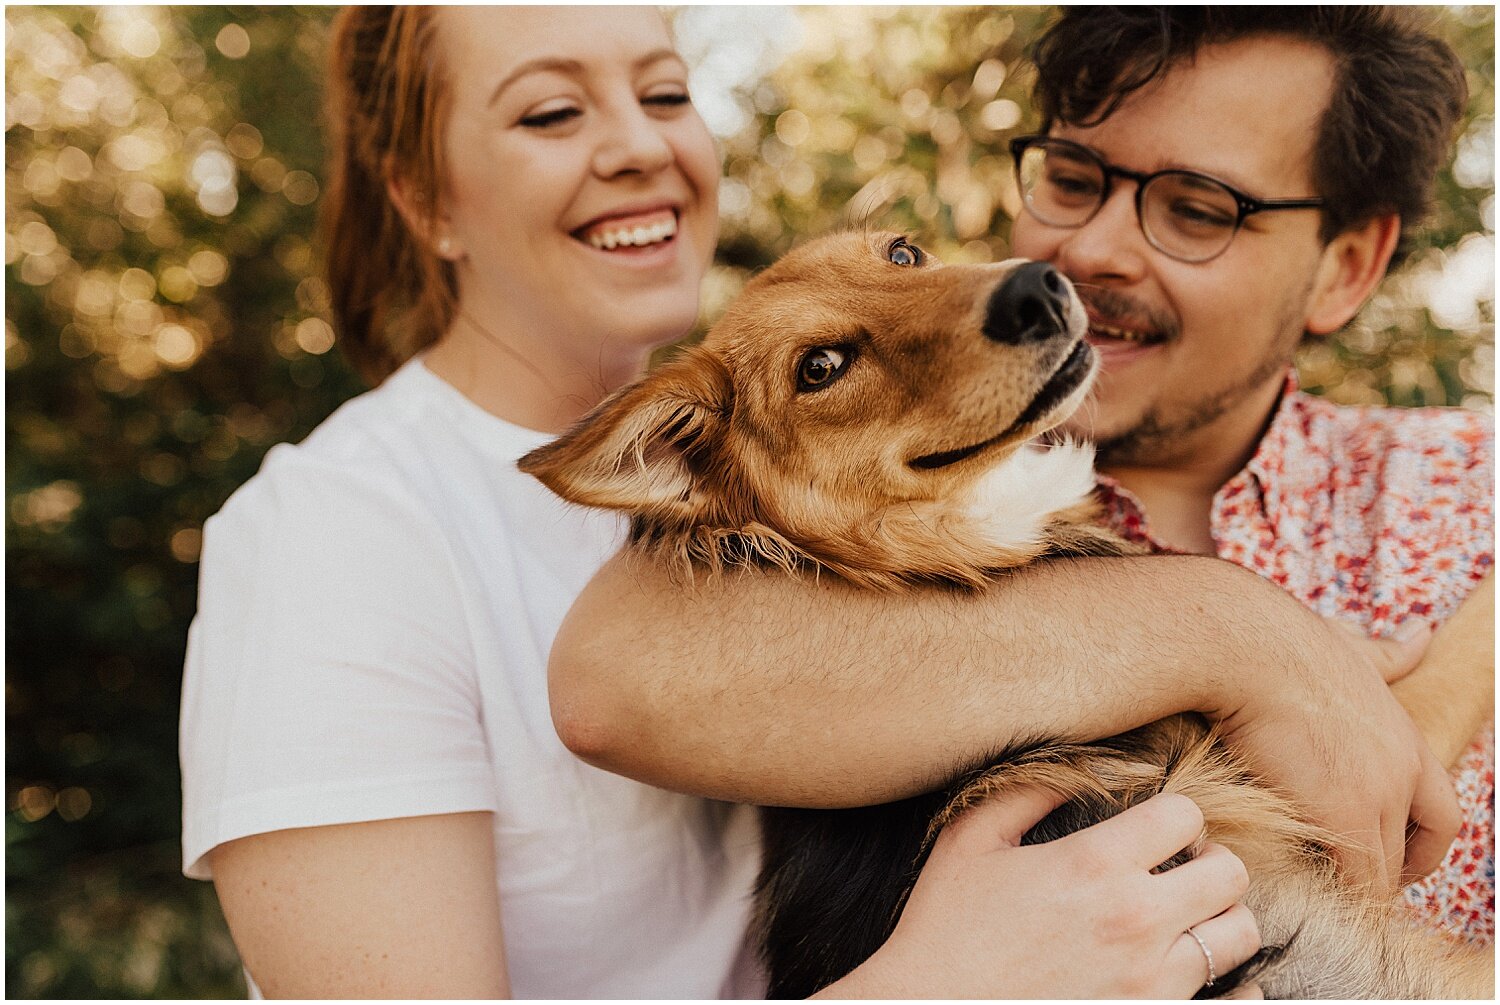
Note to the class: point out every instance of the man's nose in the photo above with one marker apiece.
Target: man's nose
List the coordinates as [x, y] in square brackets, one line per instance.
[1031, 305]
[1111, 246]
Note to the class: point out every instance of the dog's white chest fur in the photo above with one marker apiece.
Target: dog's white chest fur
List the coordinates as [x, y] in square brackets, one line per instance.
[1011, 505]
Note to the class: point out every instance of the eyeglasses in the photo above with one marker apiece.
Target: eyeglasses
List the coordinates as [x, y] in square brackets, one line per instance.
[1186, 215]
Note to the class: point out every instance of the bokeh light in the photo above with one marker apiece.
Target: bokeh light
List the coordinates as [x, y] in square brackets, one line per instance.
[166, 324]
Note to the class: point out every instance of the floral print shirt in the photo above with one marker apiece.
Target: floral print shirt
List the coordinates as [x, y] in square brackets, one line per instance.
[1373, 516]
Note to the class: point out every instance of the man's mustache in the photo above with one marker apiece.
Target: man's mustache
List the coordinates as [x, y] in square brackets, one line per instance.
[1124, 311]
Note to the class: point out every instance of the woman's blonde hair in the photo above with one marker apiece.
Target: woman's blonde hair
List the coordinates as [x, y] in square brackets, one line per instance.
[387, 102]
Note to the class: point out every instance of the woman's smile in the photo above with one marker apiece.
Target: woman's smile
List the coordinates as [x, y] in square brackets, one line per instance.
[630, 229]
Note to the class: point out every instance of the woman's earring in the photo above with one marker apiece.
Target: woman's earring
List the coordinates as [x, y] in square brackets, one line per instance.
[445, 246]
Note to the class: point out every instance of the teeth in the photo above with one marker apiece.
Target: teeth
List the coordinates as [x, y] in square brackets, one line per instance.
[1122, 334]
[638, 237]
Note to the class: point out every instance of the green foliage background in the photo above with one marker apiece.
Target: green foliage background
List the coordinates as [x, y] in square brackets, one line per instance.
[165, 325]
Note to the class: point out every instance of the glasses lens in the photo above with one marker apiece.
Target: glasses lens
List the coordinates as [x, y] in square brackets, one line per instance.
[1188, 216]
[1061, 185]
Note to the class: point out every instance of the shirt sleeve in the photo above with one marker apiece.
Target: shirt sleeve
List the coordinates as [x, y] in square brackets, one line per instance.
[330, 675]
[1443, 507]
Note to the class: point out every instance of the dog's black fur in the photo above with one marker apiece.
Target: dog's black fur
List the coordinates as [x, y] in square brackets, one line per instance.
[834, 881]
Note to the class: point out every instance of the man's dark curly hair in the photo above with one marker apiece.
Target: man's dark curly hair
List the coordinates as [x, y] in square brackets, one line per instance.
[1397, 92]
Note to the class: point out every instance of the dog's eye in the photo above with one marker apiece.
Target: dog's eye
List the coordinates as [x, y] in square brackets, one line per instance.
[902, 253]
[821, 367]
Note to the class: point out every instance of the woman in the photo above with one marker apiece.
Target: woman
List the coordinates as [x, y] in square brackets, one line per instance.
[523, 206]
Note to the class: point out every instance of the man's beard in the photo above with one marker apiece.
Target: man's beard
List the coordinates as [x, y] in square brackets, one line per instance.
[1162, 437]
[1159, 437]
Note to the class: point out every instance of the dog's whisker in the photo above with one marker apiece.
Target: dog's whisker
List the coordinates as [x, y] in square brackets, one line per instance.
[862, 207]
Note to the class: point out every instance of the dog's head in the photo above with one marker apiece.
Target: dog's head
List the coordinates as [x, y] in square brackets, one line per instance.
[859, 404]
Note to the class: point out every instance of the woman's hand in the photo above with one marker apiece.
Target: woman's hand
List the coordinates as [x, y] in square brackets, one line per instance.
[403, 908]
[1079, 917]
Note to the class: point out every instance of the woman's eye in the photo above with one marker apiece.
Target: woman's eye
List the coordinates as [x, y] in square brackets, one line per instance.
[541, 120]
[901, 253]
[667, 99]
[820, 367]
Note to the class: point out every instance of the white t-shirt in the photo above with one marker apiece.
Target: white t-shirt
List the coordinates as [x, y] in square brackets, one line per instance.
[375, 611]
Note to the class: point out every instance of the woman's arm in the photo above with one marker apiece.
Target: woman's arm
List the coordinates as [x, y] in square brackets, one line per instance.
[759, 687]
[404, 908]
[1451, 693]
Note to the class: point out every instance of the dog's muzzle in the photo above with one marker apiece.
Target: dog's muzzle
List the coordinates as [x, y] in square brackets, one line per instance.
[1031, 305]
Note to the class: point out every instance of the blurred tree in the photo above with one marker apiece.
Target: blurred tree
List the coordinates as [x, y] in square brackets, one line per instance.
[899, 117]
[165, 324]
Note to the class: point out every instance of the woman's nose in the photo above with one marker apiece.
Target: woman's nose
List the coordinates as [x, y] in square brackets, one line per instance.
[632, 142]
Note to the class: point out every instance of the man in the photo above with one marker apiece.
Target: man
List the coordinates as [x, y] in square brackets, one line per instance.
[1198, 300]
[1219, 184]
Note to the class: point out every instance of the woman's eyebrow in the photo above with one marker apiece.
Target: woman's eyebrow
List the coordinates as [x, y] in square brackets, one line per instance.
[656, 56]
[571, 67]
[543, 64]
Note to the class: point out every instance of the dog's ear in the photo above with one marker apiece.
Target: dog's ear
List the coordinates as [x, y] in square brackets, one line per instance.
[635, 451]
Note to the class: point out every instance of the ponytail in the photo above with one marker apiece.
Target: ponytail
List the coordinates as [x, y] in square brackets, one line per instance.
[392, 295]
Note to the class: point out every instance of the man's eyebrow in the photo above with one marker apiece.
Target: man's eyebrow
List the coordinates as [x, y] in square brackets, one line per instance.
[1227, 177]
[1199, 180]
[572, 67]
[1224, 176]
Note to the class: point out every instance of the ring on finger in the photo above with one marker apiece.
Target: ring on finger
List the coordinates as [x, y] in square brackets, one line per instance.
[1208, 957]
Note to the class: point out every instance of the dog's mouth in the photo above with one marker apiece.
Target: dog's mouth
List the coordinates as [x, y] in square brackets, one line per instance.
[1073, 371]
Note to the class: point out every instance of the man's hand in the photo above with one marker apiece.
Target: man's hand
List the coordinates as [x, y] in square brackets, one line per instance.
[1451, 695]
[1335, 738]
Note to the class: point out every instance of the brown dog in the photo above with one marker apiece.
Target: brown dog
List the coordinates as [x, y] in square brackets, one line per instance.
[863, 410]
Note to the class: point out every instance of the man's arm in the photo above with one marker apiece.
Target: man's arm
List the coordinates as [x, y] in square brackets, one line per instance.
[763, 688]
[1451, 693]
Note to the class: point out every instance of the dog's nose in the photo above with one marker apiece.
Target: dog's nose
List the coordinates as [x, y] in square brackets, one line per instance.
[1030, 306]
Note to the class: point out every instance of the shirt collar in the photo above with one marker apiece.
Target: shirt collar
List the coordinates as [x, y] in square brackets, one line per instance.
[1276, 471]
[1275, 463]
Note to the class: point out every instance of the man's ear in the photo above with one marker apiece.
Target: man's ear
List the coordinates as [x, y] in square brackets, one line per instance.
[421, 217]
[634, 452]
[1350, 268]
